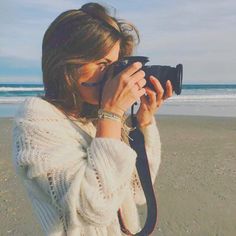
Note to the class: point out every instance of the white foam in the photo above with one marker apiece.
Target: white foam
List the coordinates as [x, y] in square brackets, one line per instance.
[203, 98]
[8, 89]
[11, 100]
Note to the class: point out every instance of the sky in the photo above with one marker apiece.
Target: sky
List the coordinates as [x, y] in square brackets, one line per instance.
[200, 34]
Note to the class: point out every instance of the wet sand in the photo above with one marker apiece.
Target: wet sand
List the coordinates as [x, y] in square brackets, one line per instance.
[196, 185]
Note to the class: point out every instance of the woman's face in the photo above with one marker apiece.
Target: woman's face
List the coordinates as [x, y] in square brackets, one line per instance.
[93, 72]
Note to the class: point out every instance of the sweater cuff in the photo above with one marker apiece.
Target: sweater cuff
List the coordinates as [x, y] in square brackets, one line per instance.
[151, 133]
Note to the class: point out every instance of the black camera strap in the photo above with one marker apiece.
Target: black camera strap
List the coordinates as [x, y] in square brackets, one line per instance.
[138, 144]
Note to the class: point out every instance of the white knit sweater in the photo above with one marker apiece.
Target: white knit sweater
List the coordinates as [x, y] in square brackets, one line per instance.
[76, 182]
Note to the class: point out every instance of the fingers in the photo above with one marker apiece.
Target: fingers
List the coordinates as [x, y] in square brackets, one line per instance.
[152, 97]
[169, 90]
[132, 77]
[141, 92]
[127, 72]
[160, 94]
[135, 83]
[126, 87]
[138, 77]
[158, 88]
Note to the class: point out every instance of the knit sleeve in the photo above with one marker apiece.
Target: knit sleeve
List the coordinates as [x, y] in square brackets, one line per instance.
[153, 150]
[87, 182]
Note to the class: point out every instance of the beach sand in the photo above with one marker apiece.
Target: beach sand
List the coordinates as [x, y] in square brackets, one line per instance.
[195, 188]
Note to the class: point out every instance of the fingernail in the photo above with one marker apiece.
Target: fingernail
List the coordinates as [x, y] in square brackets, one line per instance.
[139, 64]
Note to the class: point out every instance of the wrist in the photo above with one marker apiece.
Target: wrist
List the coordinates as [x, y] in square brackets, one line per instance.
[142, 123]
[108, 115]
[107, 127]
[115, 110]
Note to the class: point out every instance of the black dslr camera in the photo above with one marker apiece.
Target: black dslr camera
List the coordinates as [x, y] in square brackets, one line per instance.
[163, 73]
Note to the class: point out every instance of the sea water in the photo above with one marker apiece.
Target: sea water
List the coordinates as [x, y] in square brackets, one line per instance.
[195, 99]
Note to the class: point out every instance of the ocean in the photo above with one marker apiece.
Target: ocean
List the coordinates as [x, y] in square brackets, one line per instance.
[195, 99]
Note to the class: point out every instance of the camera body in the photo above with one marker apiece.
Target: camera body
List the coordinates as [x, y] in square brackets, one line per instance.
[162, 73]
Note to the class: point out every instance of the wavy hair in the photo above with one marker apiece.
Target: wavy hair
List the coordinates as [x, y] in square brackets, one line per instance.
[74, 38]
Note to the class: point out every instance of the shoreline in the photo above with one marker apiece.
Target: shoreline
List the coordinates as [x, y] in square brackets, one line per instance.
[166, 115]
[195, 187]
[214, 108]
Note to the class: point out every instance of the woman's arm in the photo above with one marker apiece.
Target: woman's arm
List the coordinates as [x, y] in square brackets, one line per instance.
[88, 182]
[108, 128]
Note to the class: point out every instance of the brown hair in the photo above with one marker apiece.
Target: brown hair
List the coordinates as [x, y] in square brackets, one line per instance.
[74, 38]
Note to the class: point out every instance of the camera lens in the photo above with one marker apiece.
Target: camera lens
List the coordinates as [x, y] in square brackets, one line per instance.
[162, 73]
[179, 78]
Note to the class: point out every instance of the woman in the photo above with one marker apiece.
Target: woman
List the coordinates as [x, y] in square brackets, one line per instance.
[78, 168]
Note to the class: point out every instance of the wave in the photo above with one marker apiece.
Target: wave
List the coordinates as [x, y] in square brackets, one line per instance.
[215, 97]
[208, 86]
[8, 89]
[11, 100]
[187, 89]
[175, 99]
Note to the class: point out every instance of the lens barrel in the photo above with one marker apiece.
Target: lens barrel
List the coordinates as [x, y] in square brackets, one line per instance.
[162, 73]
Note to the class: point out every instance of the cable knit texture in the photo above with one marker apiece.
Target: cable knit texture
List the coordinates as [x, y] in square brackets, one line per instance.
[76, 182]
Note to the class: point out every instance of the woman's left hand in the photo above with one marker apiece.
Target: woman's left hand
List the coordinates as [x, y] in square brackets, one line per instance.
[151, 103]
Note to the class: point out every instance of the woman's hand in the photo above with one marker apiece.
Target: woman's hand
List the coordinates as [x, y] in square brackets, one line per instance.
[152, 102]
[120, 92]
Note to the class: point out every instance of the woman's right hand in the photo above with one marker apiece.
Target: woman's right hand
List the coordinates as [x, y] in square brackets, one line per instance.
[121, 91]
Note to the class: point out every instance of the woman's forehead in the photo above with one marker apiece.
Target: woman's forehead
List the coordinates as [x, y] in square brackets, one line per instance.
[113, 54]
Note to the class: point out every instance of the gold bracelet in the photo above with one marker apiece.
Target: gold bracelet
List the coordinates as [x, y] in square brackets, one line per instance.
[108, 115]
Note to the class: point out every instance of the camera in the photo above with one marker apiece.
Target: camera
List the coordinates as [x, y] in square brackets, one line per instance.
[162, 73]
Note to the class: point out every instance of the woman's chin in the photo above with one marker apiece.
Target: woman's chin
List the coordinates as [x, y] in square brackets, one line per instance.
[91, 97]
[92, 102]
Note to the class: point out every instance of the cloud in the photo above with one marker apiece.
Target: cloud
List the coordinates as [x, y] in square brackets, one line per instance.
[200, 34]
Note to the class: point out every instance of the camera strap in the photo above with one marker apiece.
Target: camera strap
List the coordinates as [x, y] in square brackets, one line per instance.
[138, 144]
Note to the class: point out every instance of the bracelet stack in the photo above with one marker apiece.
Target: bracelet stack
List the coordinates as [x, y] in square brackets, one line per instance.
[108, 115]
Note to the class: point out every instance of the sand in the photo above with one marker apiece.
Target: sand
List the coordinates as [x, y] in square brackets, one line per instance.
[196, 185]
